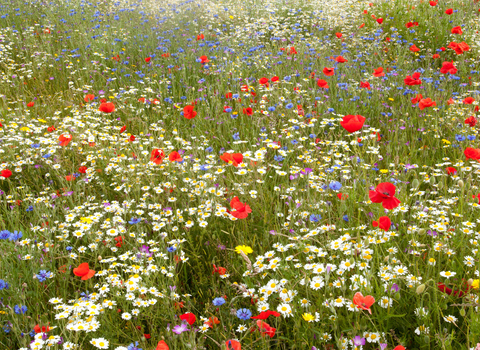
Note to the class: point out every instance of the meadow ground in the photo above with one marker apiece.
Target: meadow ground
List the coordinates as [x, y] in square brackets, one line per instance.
[239, 174]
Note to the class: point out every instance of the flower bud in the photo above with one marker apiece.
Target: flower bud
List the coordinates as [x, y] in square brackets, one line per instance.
[421, 231]
[460, 183]
[99, 258]
[470, 281]
[462, 312]
[420, 289]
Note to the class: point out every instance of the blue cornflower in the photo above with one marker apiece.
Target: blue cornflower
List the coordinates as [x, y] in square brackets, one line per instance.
[134, 221]
[460, 137]
[218, 301]
[315, 217]
[209, 149]
[335, 185]
[30, 208]
[287, 78]
[271, 109]
[133, 347]
[471, 137]
[290, 105]
[345, 218]
[20, 309]
[228, 110]
[5, 234]
[278, 158]
[43, 275]
[14, 236]
[35, 145]
[69, 248]
[244, 314]
[312, 136]
[294, 142]
[236, 136]
[3, 285]
[171, 249]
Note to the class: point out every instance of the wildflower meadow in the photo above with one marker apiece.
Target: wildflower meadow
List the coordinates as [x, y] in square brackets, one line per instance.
[256, 174]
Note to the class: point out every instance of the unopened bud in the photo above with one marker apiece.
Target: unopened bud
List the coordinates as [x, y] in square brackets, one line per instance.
[460, 183]
[421, 231]
[397, 296]
[470, 281]
[100, 258]
[420, 289]
[462, 312]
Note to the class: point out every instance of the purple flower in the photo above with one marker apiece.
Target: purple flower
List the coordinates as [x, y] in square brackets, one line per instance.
[383, 346]
[358, 340]
[306, 171]
[180, 328]
[395, 287]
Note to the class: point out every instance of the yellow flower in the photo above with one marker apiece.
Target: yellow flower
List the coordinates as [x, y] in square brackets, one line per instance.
[475, 284]
[243, 248]
[308, 317]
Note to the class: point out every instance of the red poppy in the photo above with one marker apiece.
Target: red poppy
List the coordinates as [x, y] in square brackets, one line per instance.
[89, 97]
[399, 347]
[451, 170]
[162, 345]
[436, 56]
[265, 314]
[228, 95]
[322, 83]
[457, 30]
[477, 196]
[379, 20]
[39, 329]
[365, 85]
[83, 271]
[448, 67]
[5, 173]
[416, 99]
[449, 11]
[339, 35]
[472, 153]
[30, 104]
[352, 123]
[248, 111]
[188, 112]
[413, 79]
[414, 48]
[340, 59]
[123, 129]
[189, 318]
[378, 72]
[458, 293]
[263, 81]
[471, 121]
[147, 59]
[293, 51]
[433, 3]
[265, 329]
[107, 107]
[275, 79]
[157, 156]
[328, 71]
[204, 59]
[212, 321]
[241, 209]
[221, 270]
[383, 223]
[363, 302]
[82, 169]
[200, 37]
[119, 240]
[469, 100]
[175, 157]
[131, 139]
[362, 25]
[234, 158]
[425, 103]
[233, 345]
[411, 24]
[64, 139]
[342, 196]
[385, 193]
